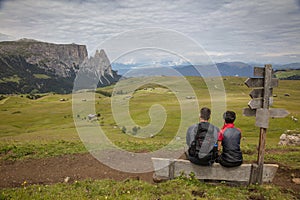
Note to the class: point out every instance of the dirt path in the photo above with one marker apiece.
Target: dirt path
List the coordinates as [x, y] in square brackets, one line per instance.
[83, 166]
[56, 169]
[4, 100]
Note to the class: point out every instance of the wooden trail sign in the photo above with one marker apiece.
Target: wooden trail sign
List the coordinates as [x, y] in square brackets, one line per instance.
[255, 103]
[263, 84]
[273, 112]
[257, 93]
[259, 82]
[261, 95]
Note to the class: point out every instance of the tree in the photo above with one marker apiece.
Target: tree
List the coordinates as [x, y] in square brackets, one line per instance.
[124, 129]
[135, 130]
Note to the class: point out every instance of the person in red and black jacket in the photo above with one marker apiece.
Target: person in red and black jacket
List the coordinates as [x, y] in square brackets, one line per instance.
[229, 139]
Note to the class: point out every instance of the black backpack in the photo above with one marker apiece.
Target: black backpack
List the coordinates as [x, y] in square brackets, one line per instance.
[204, 136]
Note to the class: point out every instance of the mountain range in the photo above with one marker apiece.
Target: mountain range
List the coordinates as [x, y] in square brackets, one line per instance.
[224, 69]
[30, 66]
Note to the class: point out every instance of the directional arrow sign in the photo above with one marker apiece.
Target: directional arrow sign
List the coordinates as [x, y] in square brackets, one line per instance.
[273, 112]
[255, 103]
[254, 82]
[278, 113]
[262, 118]
[248, 112]
[259, 71]
[257, 93]
[259, 82]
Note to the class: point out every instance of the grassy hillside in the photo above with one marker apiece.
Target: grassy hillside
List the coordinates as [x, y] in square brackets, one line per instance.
[45, 127]
[47, 122]
[288, 74]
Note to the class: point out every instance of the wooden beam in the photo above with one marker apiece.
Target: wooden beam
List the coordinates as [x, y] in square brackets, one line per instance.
[240, 174]
[260, 156]
[263, 129]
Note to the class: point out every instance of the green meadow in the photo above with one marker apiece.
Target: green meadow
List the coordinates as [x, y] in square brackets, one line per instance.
[179, 188]
[44, 127]
[287, 73]
[48, 122]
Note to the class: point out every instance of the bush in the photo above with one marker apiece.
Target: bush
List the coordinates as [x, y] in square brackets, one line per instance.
[105, 93]
[124, 129]
[33, 96]
[135, 130]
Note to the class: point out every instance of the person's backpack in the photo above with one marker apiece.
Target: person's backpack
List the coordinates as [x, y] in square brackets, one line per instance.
[204, 144]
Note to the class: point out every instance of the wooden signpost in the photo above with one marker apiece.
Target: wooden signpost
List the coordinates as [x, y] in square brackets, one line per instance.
[261, 95]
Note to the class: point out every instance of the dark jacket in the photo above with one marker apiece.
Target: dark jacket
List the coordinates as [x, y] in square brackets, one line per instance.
[206, 139]
[231, 155]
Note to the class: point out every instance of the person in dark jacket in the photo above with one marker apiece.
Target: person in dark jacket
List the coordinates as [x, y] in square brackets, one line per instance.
[201, 138]
[229, 139]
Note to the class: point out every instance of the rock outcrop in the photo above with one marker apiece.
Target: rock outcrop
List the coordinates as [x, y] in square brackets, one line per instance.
[290, 138]
[32, 66]
[96, 72]
[61, 60]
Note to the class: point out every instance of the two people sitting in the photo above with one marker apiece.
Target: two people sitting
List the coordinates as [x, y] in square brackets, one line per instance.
[205, 141]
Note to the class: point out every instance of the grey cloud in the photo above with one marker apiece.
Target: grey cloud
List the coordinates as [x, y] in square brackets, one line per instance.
[221, 26]
[4, 37]
[298, 3]
[1, 3]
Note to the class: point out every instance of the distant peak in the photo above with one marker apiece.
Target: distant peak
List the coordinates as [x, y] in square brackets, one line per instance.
[100, 53]
[26, 40]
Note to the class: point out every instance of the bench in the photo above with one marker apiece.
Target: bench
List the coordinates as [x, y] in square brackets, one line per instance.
[166, 169]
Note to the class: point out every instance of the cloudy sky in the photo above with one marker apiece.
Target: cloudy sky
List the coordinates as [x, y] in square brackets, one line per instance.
[264, 31]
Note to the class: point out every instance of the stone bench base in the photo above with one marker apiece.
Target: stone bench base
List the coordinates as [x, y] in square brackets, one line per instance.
[165, 169]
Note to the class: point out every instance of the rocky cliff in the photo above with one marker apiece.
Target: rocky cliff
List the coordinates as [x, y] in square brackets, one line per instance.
[33, 66]
[95, 72]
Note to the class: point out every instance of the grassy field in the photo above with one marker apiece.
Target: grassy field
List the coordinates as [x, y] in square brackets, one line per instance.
[287, 73]
[43, 123]
[179, 188]
[45, 127]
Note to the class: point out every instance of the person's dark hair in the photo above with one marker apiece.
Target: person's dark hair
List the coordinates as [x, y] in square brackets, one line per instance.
[229, 116]
[205, 113]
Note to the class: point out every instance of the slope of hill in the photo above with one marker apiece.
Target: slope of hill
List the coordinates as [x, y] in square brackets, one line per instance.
[289, 74]
[19, 76]
[287, 66]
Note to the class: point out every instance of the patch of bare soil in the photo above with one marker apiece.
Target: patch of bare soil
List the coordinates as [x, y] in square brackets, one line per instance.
[284, 178]
[56, 169]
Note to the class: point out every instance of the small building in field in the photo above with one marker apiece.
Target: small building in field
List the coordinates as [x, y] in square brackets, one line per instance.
[92, 116]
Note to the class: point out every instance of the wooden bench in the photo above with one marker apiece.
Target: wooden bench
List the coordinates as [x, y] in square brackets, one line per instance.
[165, 169]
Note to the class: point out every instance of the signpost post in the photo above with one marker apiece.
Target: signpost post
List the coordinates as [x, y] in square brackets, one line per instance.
[259, 106]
